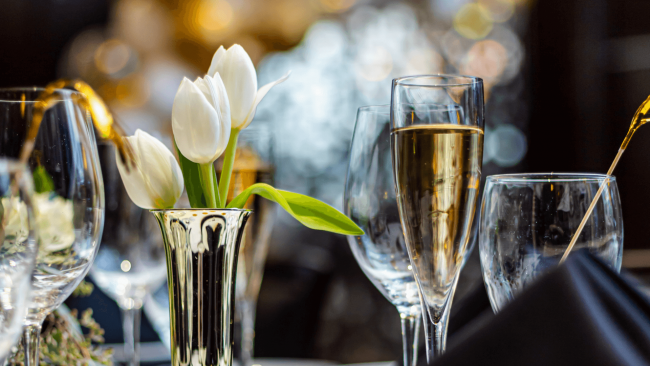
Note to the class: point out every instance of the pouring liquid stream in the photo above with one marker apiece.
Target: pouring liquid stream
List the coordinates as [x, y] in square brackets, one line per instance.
[637, 121]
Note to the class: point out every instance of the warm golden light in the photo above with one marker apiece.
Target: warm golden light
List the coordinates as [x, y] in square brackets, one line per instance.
[133, 91]
[111, 56]
[336, 6]
[214, 15]
[473, 21]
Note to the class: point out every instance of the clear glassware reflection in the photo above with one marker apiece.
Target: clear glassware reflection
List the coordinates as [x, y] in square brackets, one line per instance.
[131, 260]
[18, 250]
[437, 148]
[253, 164]
[528, 221]
[370, 202]
[68, 199]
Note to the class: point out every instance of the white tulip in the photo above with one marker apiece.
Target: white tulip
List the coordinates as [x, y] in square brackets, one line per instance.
[156, 181]
[240, 79]
[55, 222]
[201, 119]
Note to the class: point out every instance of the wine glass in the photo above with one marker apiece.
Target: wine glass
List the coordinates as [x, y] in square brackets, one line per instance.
[528, 221]
[369, 200]
[437, 149]
[253, 164]
[68, 199]
[131, 260]
[17, 251]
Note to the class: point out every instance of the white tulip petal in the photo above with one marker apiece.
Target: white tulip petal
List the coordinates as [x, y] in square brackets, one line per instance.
[215, 60]
[240, 79]
[134, 183]
[204, 87]
[259, 96]
[223, 110]
[161, 173]
[196, 124]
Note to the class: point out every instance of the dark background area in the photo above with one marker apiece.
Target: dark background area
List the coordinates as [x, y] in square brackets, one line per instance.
[586, 70]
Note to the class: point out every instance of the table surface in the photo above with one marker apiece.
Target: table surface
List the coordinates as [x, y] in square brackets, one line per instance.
[156, 352]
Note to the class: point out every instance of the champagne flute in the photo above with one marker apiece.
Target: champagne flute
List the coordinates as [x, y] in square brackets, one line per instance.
[18, 249]
[68, 199]
[131, 260]
[437, 149]
[369, 200]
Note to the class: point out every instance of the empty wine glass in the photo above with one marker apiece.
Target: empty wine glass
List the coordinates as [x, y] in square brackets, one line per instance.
[18, 250]
[437, 147]
[68, 199]
[528, 221]
[131, 260]
[369, 200]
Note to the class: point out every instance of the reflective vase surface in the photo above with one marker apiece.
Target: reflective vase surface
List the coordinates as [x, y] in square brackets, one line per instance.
[201, 248]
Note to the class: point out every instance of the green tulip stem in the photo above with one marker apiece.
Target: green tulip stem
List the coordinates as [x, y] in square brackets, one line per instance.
[228, 162]
[207, 182]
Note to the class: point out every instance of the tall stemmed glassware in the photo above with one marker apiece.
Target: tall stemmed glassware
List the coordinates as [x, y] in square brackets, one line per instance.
[253, 164]
[131, 261]
[370, 202]
[18, 249]
[68, 199]
[437, 148]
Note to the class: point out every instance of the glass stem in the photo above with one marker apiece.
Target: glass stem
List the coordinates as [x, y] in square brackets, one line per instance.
[436, 333]
[31, 341]
[410, 337]
[248, 331]
[131, 329]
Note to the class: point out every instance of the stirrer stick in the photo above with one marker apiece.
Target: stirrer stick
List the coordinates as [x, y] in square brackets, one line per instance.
[637, 121]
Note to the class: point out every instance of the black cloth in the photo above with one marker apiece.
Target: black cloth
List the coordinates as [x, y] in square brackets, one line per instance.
[580, 313]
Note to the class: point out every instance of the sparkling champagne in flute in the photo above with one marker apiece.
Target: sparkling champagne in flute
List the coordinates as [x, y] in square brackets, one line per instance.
[437, 147]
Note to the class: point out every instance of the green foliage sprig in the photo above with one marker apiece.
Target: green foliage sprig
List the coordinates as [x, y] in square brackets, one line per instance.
[63, 344]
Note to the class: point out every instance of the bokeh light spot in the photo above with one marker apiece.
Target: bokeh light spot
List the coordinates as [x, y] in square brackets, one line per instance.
[125, 266]
[473, 21]
[486, 59]
[111, 56]
[500, 10]
[424, 61]
[214, 15]
[506, 145]
[133, 91]
[374, 63]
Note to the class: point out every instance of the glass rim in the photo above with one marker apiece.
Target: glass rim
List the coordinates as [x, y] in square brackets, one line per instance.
[65, 93]
[374, 108]
[548, 177]
[470, 80]
[12, 165]
[200, 209]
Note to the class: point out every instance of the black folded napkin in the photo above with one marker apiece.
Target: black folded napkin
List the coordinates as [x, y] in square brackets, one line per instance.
[581, 313]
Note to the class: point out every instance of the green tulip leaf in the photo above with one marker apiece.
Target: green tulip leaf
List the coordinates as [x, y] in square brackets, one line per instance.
[192, 180]
[311, 212]
[42, 181]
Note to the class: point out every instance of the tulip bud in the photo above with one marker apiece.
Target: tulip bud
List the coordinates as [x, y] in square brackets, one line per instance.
[156, 182]
[201, 119]
[240, 80]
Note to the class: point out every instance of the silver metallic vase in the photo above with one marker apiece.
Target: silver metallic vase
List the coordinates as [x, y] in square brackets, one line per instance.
[201, 248]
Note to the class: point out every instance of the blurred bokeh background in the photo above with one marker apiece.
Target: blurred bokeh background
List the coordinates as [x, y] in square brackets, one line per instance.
[563, 79]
